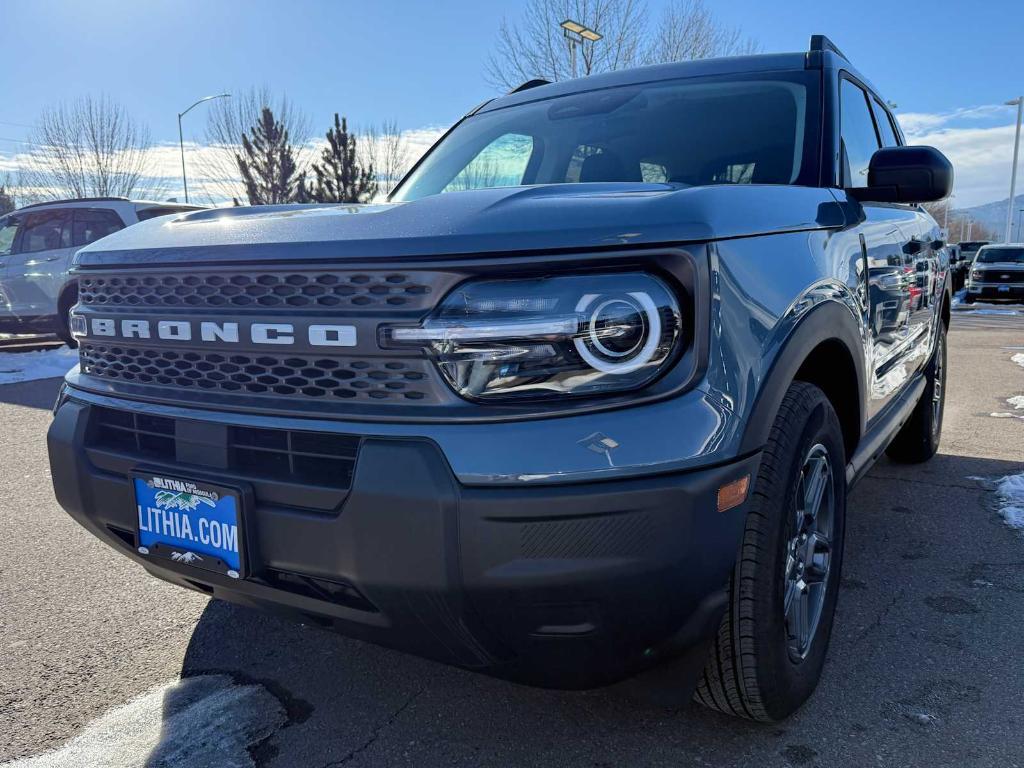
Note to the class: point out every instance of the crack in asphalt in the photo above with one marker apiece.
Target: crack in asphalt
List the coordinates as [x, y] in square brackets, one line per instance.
[375, 733]
[877, 622]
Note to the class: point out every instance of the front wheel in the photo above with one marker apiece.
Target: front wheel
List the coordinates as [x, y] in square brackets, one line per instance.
[918, 440]
[770, 649]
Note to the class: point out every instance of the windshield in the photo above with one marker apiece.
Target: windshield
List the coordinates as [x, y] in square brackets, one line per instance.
[971, 247]
[1000, 256]
[753, 129]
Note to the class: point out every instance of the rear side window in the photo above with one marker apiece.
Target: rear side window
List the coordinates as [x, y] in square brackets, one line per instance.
[93, 223]
[884, 124]
[8, 231]
[46, 231]
[858, 133]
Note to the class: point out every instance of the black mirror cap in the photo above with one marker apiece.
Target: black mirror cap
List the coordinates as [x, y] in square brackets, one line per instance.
[907, 175]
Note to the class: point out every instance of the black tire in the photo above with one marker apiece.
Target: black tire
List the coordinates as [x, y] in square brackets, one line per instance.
[968, 299]
[918, 440]
[754, 670]
[67, 301]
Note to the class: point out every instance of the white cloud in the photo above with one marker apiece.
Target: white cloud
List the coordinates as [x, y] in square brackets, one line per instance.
[981, 152]
[212, 177]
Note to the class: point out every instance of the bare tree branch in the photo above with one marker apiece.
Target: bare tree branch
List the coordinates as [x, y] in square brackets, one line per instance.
[386, 150]
[87, 148]
[535, 46]
[228, 120]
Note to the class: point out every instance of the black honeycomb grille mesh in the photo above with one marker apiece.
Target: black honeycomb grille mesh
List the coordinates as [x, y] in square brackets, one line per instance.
[260, 374]
[285, 290]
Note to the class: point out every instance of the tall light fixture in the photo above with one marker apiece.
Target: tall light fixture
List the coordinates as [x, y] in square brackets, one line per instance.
[578, 35]
[181, 140]
[1019, 104]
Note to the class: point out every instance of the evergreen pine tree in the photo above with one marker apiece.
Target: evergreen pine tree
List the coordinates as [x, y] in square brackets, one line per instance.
[6, 200]
[339, 176]
[267, 162]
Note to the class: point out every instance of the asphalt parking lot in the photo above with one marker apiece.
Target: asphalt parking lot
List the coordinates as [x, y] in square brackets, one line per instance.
[925, 664]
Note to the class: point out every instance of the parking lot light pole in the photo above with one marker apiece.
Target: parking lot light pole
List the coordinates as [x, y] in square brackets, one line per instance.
[1019, 103]
[181, 140]
[577, 34]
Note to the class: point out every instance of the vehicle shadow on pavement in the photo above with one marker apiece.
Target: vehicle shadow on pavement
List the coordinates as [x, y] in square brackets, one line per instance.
[346, 700]
[40, 393]
[340, 695]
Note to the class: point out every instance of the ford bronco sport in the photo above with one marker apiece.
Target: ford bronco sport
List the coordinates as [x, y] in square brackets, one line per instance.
[587, 393]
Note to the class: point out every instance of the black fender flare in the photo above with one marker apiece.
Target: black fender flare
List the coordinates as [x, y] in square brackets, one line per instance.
[829, 321]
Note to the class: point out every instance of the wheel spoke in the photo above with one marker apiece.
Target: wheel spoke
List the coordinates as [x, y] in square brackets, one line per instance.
[808, 552]
[816, 479]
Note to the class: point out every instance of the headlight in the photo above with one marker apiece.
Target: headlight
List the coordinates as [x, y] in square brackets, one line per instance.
[557, 335]
[77, 325]
[976, 274]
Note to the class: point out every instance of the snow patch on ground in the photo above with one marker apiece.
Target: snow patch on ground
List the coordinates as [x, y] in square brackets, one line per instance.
[42, 364]
[198, 721]
[1010, 493]
[1018, 359]
[979, 307]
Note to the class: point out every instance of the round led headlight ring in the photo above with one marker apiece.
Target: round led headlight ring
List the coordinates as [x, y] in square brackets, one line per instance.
[628, 352]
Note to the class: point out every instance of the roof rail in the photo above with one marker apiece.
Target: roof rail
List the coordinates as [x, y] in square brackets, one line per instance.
[530, 84]
[822, 43]
[76, 200]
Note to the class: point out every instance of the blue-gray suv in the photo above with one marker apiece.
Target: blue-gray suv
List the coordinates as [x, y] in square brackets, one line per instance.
[587, 393]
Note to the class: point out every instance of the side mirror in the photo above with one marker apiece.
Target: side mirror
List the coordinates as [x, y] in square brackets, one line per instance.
[906, 175]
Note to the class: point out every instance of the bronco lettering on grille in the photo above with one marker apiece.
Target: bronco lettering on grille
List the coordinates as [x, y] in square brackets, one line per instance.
[228, 332]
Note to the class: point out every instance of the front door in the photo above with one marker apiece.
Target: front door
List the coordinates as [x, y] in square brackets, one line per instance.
[37, 268]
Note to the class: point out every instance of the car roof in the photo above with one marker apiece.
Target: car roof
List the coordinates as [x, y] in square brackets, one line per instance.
[79, 202]
[654, 73]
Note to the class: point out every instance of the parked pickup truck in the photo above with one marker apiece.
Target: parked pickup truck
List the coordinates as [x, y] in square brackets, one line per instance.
[997, 272]
[587, 393]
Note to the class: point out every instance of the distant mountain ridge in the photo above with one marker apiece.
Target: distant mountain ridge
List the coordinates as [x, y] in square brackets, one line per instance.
[993, 215]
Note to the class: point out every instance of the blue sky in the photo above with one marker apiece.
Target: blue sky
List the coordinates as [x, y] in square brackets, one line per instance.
[421, 64]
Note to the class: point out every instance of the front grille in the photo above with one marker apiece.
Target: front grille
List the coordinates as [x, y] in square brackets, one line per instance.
[308, 457]
[999, 276]
[315, 458]
[283, 290]
[260, 374]
[140, 434]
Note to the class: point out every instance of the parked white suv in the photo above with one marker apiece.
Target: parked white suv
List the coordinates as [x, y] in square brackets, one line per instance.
[37, 243]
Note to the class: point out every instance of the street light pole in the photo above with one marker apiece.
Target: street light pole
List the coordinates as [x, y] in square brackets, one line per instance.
[1019, 103]
[577, 35]
[181, 139]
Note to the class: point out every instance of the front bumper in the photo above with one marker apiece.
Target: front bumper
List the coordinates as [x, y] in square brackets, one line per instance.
[558, 586]
[1005, 291]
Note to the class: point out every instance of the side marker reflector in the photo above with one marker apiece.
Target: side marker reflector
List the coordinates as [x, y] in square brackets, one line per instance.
[733, 494]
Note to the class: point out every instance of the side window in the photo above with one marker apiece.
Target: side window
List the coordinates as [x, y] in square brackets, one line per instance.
[46, 231]
[884, 125]
[858, 133]
[502, 163]
[8, 231]
[93, 223]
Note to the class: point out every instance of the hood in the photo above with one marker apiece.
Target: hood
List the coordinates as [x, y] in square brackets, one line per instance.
[470, 223]
[994, 265]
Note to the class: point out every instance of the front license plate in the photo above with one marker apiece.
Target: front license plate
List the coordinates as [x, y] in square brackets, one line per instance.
[190, 522]
[1004, 289]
